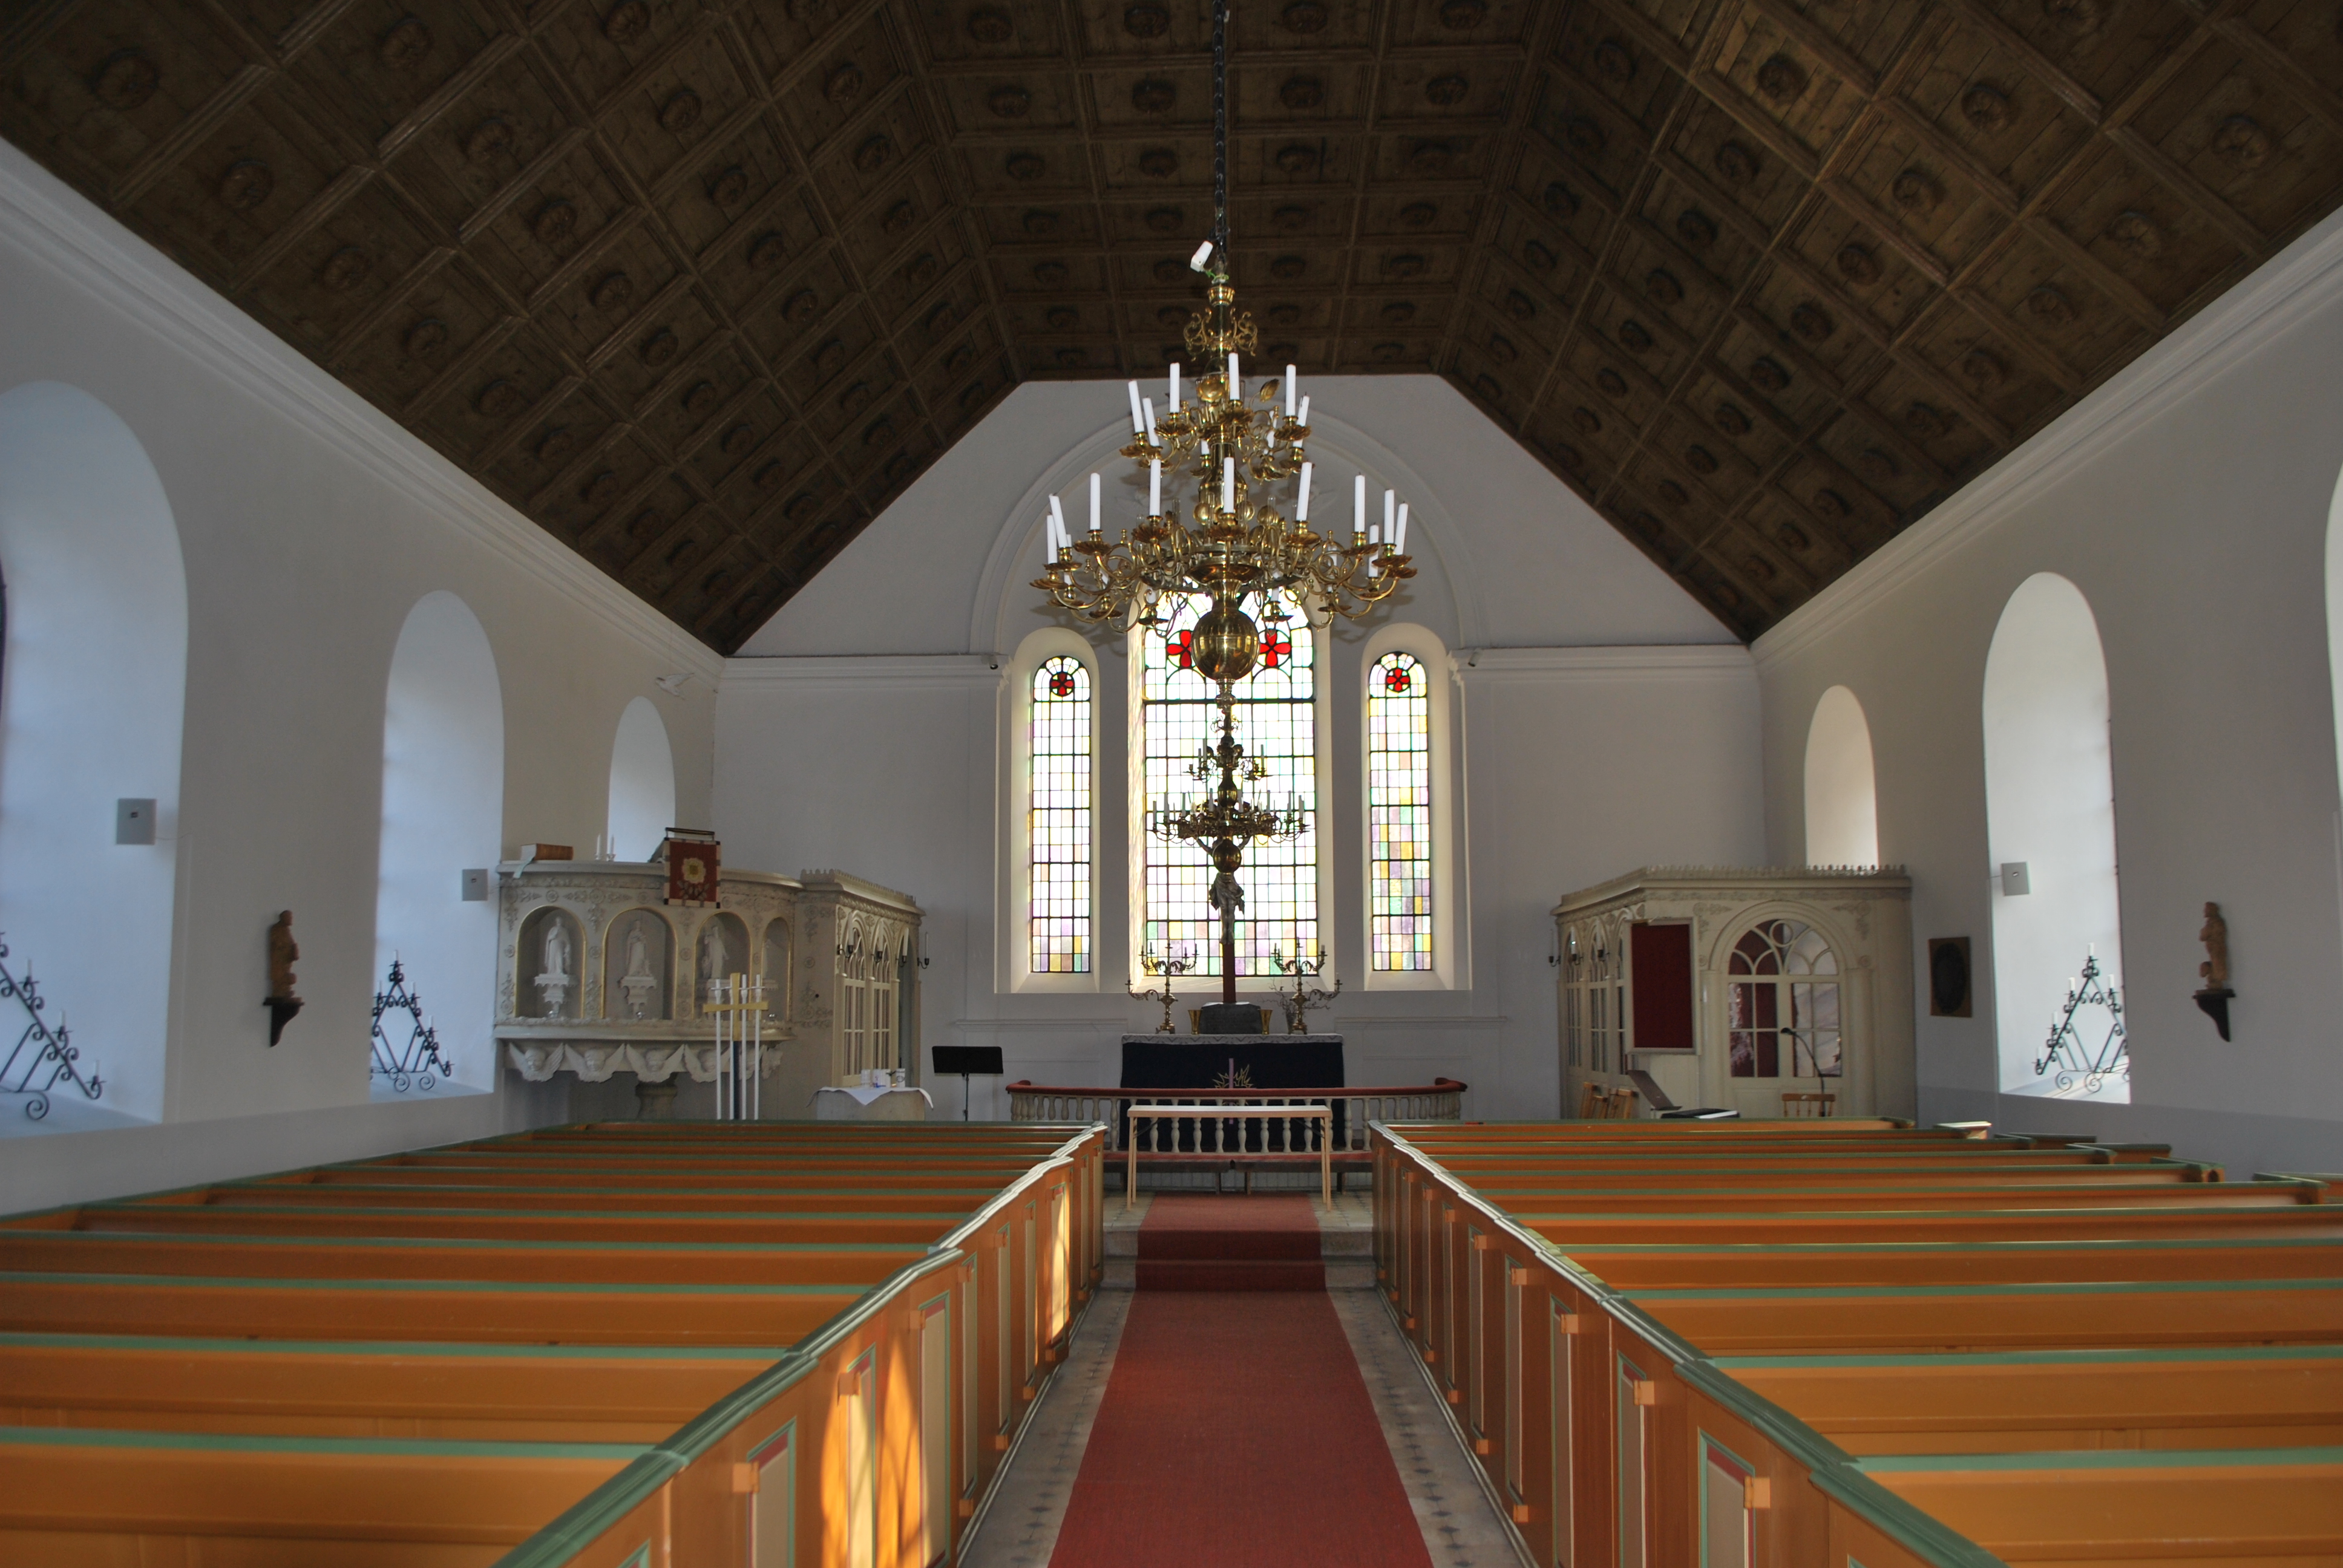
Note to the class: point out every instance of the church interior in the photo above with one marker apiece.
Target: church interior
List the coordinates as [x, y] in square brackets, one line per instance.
[875, 783]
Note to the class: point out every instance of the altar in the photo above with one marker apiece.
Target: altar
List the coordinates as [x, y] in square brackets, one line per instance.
[1173, 1066]
[1260, 1062]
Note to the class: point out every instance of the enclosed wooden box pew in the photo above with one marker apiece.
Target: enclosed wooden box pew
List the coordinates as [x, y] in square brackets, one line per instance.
[1670, 1347]
[287, 1370]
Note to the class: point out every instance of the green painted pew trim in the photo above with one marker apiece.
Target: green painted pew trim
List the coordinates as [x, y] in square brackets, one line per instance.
[1877, 1293]
[502, 1286]
[383, 1447]
[461, 1243]
[2120, 1357]
[2102, 1459]
[405, 1349]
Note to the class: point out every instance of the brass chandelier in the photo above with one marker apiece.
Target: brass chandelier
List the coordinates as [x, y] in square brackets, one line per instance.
[1231, 544]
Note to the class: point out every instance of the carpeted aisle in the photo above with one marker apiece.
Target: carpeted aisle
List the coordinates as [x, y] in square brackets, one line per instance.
[1236, 1430]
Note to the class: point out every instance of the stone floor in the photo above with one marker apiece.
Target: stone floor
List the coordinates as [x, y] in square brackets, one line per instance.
[1462, 1527]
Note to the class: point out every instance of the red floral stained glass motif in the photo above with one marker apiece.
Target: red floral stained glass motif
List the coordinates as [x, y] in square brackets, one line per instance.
[1062, 683]
[1182, 649]
[1398, 677]
[1276, 648]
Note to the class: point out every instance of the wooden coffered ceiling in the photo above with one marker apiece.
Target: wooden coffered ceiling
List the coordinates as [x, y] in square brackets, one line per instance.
[700, 284]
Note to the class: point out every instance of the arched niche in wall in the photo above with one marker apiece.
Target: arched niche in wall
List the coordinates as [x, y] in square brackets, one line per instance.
[724, 952]
[1842, 799]
[2050, 810]
[642, 783]
[638, 966]
[443, 792]
[93, 691]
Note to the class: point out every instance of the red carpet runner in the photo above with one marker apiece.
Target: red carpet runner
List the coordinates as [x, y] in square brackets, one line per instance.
[1236, 1431]
[1191, 1242]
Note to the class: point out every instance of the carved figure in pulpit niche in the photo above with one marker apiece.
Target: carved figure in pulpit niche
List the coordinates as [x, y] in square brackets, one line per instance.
[2215, 935]
[638, 982]
[283, 952]
[554, 979]
[715, 960]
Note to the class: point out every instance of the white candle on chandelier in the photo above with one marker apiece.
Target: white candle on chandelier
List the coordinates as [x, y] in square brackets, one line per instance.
[1048, 543]
[1236, 383]
[1304, 418]
[1391, 518]
[1291, 390]
[1155, 487]
[1060, 539]
[1228, 484]
[1358, 505]
[1137, 426]
[1149, 405]
[1094, 499]
[1399, 540]
[1301, 501]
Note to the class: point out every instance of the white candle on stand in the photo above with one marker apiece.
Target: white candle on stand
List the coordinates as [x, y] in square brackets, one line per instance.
[1137, 427]
[1302, 505]
[1304, 418]
[1358, 505]
[1228, 484]
[1399, 540]
[1291, 391]
[1236, 385]
[1094, 501]
[1149, 403]
[1048, 543]
[1174, 404]
[1155, 487]
[1059, 537]
[1391, 518]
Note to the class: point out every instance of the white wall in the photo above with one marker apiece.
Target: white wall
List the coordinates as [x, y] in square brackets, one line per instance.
[2188, 501]
[1605, 720]
[443, 790]
[90, 696]
[1842, 800]
[642, 783]
[309, 524]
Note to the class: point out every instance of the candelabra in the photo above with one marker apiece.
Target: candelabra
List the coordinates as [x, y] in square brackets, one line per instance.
[1175, 962]
[1298, 1005]
[1228, 545]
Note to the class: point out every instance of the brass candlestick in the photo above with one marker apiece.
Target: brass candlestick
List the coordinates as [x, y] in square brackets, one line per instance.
[1174, 963]
[1298, 1005]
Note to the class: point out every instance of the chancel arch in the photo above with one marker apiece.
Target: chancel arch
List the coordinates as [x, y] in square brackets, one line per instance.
[642, 783]
[2050, 821]
[93, 687]
[1842, 799]
[443, 783]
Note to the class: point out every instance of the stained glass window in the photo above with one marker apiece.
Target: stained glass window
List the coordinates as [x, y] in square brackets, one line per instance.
[1277, 726]
[1060, 821]
[1784, 1006]
[1399, 813]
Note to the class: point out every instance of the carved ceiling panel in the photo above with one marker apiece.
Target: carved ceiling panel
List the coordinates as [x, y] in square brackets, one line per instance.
[700, 284]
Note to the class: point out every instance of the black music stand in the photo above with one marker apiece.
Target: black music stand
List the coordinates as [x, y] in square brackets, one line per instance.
[965, 1059]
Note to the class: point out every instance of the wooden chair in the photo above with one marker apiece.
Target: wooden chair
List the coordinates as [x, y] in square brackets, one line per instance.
[1806, 1106]
[1593, 1104]
[1623, 1104]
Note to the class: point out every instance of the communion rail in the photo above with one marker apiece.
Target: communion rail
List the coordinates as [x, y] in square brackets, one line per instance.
[1442, 1100]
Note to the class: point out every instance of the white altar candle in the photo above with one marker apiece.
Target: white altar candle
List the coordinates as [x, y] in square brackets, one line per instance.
[1358, 505]
[1236, 383]
[1058, 539]
[1155, 487]
[1149, 404]
[1094, 501]
[1228, 484]
[1174, 404]
[1302, 504]
[1137, 426]
[1398, 541]
[1391, 518]
[1304, 419]
[1289, 391]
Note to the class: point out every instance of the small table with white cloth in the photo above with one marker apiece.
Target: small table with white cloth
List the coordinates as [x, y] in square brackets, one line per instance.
[864, 1103]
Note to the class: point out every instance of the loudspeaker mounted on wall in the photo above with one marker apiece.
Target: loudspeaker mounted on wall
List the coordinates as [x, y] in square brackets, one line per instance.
[475, 886]
[2015, 882]
[134, 821]
[1948, 977]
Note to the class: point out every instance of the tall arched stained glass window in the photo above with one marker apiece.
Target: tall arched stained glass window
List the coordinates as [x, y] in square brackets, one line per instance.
[1399, 813]
[1060, 916]
[1276, 722]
